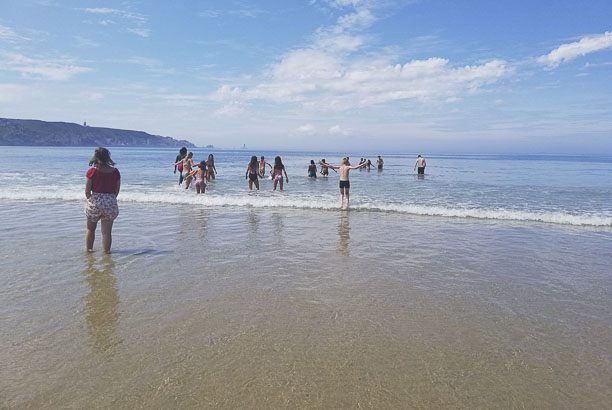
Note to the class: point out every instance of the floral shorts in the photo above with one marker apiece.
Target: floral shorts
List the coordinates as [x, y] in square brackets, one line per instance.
[101, 206]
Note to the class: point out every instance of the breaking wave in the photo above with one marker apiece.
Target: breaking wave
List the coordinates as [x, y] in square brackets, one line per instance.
[280, 200]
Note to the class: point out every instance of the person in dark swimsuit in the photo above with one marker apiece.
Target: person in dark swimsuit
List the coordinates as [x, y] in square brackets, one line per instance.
[324, 169]
[312, 169]
[212, 170]
[345, 184]
[252, 172]
[179, 157]
[420, 164]
[380, 163]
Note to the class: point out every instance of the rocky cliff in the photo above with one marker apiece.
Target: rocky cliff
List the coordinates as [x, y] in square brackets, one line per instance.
[34, 132]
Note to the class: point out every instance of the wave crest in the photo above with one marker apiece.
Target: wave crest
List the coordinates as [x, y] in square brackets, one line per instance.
[278, 200]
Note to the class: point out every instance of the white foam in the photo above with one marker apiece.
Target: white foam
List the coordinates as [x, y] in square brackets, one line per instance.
[289, 200]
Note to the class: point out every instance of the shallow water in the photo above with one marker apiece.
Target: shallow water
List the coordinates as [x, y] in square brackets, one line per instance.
[250, 308]
[267, 303]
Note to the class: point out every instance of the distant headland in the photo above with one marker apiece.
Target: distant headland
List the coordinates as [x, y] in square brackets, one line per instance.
[42, 133]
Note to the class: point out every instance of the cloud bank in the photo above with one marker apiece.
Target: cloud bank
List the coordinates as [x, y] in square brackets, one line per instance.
[327, 74]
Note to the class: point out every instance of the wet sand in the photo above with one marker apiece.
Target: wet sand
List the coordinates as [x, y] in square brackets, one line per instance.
[239, 308]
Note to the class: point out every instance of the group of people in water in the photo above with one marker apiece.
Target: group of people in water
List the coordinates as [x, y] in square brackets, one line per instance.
[256, 169]
[103, 182]
[185, 166]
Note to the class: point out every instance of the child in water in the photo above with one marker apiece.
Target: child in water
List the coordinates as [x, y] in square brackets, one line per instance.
[101, 189]
[324, 169]
[252, 173]
[312, 169]
[262, 167]
[345, 184]
[212, 170]
[277, 172]
[200, 177]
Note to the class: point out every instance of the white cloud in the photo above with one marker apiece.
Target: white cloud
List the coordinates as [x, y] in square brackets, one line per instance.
[85, 42]
[8, 34]
[337, 130]
[570, 51]
[121, 13]
[305, 129]
[245, 11]
[330, 74]
[229, 110]
[142, 32]
[138, 19]
[48, 69]
[321, 81]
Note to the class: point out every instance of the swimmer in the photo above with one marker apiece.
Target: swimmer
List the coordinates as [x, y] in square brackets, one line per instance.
[262, 166]
[420, 164]
[312, 169]
[252, 173]
[345, 184]
[200, 177]
[277, 172]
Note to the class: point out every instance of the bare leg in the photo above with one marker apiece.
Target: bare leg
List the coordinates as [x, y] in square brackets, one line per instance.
[347, 197]
[90, 234]
[275, 182]
[250, 184]
[257, 184]
[341, 197]
[281, 183]
[197, 188]
[107, 238]
[187, 182]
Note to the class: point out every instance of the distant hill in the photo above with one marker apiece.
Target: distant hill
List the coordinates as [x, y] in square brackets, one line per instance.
[42, 133]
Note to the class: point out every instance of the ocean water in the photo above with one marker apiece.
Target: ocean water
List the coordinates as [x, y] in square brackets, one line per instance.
[485, 284]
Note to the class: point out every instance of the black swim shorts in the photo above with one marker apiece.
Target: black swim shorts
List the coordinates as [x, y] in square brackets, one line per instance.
[345, 184]
[421, 170]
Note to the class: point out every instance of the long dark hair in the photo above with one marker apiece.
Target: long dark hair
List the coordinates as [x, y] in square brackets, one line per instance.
[101, 157]
[183, 151]
[278, 164]
[253, 164]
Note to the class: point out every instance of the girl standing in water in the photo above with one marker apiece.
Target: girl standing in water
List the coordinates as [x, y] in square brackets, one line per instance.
[101, 189]
[277, 172]
[200, 177]
[312, 169]
[211, 167]
[188, 165]
[252, 173]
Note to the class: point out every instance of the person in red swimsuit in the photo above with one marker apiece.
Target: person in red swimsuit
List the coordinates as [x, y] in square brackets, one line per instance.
[101, 189]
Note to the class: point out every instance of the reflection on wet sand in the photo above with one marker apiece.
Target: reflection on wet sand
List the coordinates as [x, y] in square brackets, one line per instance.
[343, 233]
[101, 302]
[254, 220]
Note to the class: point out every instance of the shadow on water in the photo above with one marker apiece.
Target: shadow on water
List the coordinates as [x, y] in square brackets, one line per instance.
[136, 252]
[344, 236]
[101, 302]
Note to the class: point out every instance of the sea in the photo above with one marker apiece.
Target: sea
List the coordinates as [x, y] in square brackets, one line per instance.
[485, 283]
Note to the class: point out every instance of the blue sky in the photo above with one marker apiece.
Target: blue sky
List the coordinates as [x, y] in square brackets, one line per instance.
[377, 75]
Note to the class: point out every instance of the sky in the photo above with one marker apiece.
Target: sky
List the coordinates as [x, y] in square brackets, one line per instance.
[430, 76]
